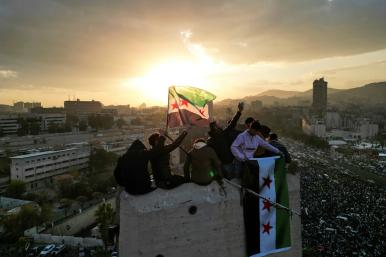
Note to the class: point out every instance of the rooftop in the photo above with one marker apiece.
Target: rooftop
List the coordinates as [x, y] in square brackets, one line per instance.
[41, 153]
[10, 203]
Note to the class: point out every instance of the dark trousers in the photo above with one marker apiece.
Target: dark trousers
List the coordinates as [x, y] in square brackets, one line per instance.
[172, 182]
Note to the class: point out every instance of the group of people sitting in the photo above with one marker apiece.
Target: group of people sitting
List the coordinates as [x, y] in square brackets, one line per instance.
[222, 155]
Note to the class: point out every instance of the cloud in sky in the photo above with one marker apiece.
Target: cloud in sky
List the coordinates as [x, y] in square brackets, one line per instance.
[8, 74]
[84, 46]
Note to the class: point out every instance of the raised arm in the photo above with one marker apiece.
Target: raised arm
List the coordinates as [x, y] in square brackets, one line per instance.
[235, 118]
[176, 143]
[236, 148]
[160, 149]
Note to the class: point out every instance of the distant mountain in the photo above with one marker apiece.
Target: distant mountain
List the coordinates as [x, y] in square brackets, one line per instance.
[279, 93]
[370, 94]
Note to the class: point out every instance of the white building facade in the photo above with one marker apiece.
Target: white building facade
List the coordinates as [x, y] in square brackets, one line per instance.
[38, 169]
[52, 118]
[9, 124]
[368, 129]
[315, 127]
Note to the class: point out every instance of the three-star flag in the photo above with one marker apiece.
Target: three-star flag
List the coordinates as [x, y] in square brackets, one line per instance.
[189, 106]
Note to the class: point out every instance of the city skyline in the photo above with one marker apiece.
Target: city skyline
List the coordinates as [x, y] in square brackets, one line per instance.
[129, 53]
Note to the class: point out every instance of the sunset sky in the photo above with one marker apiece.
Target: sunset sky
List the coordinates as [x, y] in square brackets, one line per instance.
[128, 52]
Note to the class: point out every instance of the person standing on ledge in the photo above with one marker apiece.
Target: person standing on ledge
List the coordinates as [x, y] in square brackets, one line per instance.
[245, 145]
[160, 164]
[221, 139]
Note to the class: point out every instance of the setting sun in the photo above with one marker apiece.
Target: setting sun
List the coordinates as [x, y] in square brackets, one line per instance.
[154, 84]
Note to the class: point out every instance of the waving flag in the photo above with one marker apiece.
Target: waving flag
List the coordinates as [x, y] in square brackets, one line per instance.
[271, 232]
[189, 106]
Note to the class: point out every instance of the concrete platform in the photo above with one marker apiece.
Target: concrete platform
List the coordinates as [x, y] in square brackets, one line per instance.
[191, 221]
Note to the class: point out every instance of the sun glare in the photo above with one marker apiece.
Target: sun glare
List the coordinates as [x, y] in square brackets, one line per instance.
[154, 85]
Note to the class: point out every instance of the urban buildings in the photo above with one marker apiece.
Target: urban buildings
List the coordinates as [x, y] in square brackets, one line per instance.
[319, 95]
[25, 107]
[51, 118]
[368, 129]
[9, 124]
[314, 127]
[38, 169]
[82, 108]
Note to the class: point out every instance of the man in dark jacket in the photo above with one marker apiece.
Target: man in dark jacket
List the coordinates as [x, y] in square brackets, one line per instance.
[202, 165]
[274, 141]
[220, 141]
[160, 165]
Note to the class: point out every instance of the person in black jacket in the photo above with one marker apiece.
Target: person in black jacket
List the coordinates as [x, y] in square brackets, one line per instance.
[274, 141]
[221, 139]
[160, 164]
[131, 171]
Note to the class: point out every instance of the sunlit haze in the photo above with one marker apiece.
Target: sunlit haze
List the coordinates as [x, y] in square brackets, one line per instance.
[129, 53]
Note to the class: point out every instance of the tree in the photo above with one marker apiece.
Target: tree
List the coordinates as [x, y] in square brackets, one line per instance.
[34, 128]
[53, 127]
[83, 125]
[46, 214]
[15, 189]
[100, 252]
[81, 199]
[98, 121]
[137, 121]
[105, 217]
[23, 127]
[65, 204]
[5, 164]
[15, 224]
[120, 123]
[100, 160]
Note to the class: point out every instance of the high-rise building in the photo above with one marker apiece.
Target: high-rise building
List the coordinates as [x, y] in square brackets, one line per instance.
[319, 96]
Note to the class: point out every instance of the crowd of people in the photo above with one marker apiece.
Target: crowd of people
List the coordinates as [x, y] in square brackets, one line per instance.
[224, 154]
[341, 214]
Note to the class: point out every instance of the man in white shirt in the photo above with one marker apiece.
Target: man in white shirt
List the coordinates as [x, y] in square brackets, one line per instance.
[246, 143]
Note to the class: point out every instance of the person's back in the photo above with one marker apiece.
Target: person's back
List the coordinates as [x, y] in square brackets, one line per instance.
[204, 163]
[131, 170]
[161, 164]
[274, 141]
[220, 139]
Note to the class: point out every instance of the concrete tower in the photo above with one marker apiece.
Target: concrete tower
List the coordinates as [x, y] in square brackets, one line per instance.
[319, 96]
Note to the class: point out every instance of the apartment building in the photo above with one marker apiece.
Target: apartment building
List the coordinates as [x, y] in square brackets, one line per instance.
[38, 169]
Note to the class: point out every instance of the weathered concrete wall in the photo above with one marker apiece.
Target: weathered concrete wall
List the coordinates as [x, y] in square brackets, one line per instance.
[160, 224]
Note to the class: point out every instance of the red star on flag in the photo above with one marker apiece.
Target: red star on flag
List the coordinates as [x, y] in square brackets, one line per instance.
[267, 205]
[175, 105]
[184, 102]
[266, 228]
[267, 182]
[202, 111]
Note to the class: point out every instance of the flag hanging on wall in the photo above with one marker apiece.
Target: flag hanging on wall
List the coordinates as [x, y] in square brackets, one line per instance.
[189, 106]
[273, 232]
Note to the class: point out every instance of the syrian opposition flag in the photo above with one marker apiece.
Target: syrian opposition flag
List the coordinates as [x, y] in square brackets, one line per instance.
[273, 231]
[189, 106]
